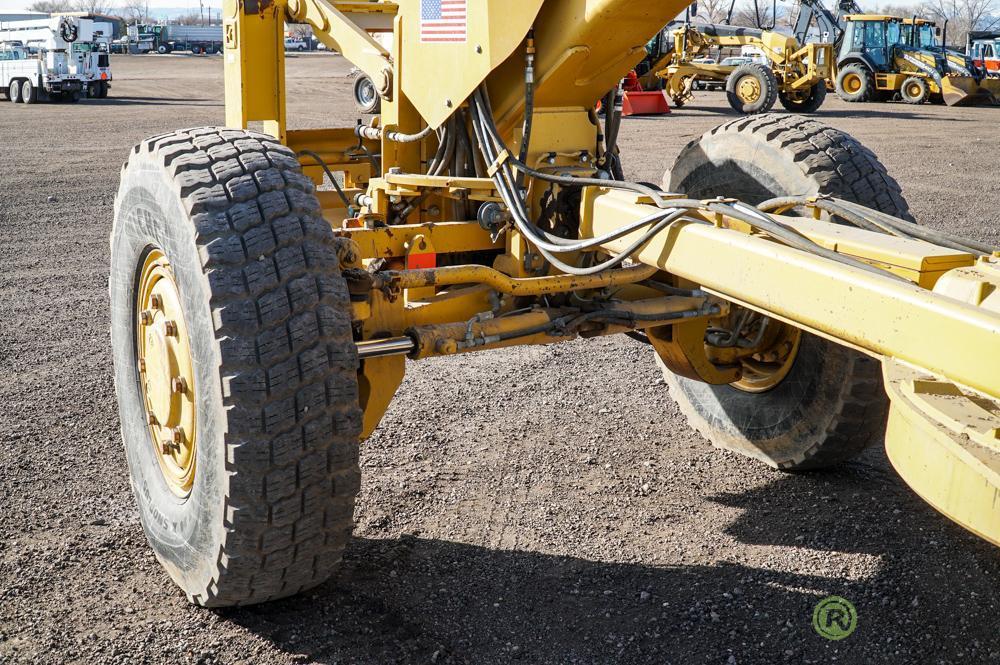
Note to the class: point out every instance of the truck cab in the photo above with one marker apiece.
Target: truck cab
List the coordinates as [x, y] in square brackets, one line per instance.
[870, 38]
[984, 50]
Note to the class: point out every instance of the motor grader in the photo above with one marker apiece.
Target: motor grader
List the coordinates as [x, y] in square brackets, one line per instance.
[791, 73]
[261, 324]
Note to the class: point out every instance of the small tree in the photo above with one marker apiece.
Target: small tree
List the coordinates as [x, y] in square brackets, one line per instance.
[93, 6]
[51, 6]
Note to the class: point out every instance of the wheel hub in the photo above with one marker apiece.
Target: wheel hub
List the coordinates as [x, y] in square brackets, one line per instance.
[748, 89]
[166, 374]
[773, 359]
[852, 83]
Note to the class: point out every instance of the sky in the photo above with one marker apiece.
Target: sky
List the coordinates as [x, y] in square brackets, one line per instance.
[8, 6]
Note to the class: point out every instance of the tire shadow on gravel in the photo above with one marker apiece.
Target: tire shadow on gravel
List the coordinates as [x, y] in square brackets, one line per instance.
[414, 600]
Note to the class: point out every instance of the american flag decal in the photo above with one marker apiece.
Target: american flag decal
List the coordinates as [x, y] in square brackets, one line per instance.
[443, 21]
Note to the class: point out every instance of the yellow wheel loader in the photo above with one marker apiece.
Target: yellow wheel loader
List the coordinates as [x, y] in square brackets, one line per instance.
[261, 325]
[790, 73]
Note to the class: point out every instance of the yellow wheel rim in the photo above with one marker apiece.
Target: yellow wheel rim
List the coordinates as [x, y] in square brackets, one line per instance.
[748, 89]
[767, 368]
[913, 90]
[852, 83]
[166, 375]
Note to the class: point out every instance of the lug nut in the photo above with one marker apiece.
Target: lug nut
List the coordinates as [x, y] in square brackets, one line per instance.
[170, 328]
[146, 317]
[166, 447]
[178, 384]
[142, 364]
[178, 436]
[151, 419]
[156, 301]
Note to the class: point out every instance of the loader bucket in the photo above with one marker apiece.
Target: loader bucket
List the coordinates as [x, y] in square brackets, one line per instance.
[965, 91]
[645, 103]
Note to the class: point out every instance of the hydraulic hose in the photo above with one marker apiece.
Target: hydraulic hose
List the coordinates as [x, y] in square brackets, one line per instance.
[329, 174]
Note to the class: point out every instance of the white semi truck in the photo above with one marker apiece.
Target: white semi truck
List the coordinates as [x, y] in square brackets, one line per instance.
[85, 42]
[29, 78]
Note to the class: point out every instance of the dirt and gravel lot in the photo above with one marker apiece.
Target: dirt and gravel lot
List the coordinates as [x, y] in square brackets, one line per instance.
[540, 505]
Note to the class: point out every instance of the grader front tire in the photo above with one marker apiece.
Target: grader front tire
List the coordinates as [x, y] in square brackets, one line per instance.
[831, 404]
[229, 219]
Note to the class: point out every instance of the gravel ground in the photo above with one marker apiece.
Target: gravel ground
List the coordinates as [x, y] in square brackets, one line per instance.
[539, 505]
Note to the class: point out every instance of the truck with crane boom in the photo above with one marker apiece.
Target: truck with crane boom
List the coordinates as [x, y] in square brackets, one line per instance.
[82, 42]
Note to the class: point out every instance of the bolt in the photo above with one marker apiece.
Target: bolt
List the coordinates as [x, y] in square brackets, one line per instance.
[479, 49]
[178, 384]
[151, 419]
[178, 435]
[166, 447]
[447, 103]
[170, 328]
[156, 300]
[146, 317]
[142, 365]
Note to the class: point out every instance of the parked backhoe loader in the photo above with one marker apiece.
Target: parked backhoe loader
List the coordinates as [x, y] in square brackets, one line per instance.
[261, 326]
[879, 56]
[793, 74]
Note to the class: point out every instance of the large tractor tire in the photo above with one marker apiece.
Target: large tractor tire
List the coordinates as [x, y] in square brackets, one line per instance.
[366, 97]
[826, 402]
[807, 101]
[856, 83]
[914, 90]
[751, 88]
[235, 366]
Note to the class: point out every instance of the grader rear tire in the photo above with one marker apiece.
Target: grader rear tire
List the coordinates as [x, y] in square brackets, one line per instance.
[831, 404]
[230, 319]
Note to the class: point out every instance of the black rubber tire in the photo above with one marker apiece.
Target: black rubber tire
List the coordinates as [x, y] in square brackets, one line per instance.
[832, 405]
[366, 98]
[71, 97]
[865, 93]
[14, 91]
[103, 92]
[811, 104]
[765, 79]
[268, 313]
[162, 49]
[917, 83]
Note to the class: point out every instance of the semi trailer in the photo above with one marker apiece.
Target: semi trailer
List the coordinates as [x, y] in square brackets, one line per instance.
[165, 39]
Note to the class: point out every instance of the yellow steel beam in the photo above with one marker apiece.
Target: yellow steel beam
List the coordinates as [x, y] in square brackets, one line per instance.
[254, 63]
[877, 314]
[340, 33]
[447, 237]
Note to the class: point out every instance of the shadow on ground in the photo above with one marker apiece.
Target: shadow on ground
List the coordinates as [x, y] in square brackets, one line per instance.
[418, 600]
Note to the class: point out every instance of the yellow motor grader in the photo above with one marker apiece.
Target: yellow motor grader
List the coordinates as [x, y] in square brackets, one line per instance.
[261, 326]
[788, 72]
